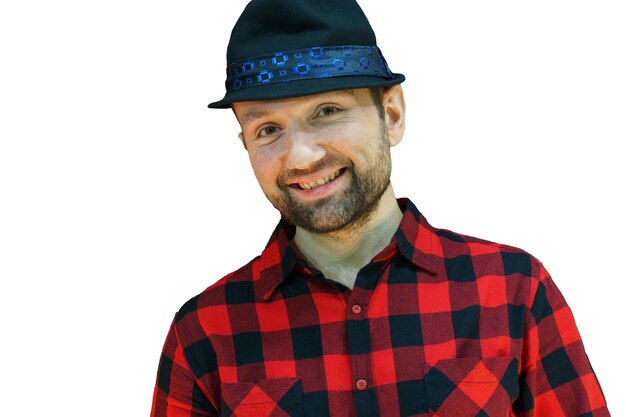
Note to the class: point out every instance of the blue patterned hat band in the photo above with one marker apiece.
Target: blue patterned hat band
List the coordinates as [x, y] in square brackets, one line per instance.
[306, 64]
[320, 45]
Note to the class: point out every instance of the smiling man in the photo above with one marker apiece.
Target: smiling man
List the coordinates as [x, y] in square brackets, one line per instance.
[358, 306]
[323, 161]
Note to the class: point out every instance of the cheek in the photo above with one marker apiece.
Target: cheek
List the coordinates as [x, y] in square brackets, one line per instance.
[355, 135]
[265, 167]
[356, 145]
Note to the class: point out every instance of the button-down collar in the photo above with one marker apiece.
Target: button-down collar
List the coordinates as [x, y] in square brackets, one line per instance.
[415, 239]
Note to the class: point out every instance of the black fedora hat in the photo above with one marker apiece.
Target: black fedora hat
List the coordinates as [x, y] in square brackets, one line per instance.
[290, 48]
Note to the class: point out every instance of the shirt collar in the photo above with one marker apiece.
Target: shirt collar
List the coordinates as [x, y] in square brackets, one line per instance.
[415, 239]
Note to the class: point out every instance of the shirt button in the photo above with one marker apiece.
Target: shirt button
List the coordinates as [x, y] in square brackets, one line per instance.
[361, 384]
[356, 309]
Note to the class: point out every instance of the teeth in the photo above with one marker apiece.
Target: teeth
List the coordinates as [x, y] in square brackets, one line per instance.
[318, 182]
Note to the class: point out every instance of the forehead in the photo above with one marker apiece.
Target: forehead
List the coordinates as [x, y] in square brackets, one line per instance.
[248, 111]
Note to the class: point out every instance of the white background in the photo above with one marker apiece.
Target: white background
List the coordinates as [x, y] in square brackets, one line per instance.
[122, 195]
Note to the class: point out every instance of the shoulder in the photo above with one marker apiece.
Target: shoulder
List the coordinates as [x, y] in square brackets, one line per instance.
[206, 318]
[490, 270]
[216, 294]
[469, 259]
[512, 259]
[210, 314]
[460, 257]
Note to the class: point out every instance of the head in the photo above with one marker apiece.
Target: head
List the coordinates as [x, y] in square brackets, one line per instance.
[318, 107]
[324, 160]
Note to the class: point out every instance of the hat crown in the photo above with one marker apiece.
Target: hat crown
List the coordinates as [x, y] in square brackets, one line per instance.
[269, 26]
[291, 48]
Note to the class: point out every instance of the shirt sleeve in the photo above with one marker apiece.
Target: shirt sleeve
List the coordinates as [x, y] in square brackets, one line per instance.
[556, 378]
[178, 393]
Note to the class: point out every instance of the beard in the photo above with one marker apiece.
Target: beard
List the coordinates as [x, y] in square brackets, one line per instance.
[349, 209]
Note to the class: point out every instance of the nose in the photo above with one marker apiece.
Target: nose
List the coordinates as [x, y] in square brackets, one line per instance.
[303, 148]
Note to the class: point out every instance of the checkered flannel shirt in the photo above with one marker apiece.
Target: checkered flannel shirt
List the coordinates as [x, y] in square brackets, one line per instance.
[438, 324]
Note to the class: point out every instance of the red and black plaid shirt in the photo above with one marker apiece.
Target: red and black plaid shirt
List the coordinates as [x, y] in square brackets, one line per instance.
[438, 324]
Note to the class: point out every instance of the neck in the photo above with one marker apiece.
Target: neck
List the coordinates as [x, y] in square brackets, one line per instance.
[342, 254]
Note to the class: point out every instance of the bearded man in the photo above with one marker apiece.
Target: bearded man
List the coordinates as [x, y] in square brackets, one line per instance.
[358, 306]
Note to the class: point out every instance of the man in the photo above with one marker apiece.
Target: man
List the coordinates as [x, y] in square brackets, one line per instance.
[357, 306]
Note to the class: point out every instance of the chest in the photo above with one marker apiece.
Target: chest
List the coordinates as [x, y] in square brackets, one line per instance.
[376, 347]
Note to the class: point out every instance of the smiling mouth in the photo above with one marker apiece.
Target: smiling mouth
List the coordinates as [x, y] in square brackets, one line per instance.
[318, 183]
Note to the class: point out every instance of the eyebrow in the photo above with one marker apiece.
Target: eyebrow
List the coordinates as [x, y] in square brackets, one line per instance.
[252, 116]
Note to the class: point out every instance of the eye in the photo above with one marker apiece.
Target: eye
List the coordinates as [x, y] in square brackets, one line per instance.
[327, 111]
[267, 131]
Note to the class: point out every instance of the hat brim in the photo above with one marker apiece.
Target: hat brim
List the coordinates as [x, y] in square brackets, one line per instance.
[297, 88]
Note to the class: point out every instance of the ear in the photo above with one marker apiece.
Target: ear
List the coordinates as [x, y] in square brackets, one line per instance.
[393, 102]
[240, 135]
[243, 141]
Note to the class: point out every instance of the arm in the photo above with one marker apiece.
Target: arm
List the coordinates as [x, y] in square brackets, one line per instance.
[178, 392]
[557, 378]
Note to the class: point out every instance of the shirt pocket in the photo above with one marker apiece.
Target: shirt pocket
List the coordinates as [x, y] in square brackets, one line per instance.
[469, 387]
[267, 397]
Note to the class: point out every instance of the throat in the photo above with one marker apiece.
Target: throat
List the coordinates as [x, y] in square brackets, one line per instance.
[343, 275]
[341, 257]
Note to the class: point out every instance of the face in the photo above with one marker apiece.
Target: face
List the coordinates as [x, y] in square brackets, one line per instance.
[323, 161]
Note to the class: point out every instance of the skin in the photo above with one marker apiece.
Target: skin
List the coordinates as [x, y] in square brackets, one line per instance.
[292, 143]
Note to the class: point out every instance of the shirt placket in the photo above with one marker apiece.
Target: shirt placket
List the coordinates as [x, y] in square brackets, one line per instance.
[359, 339]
